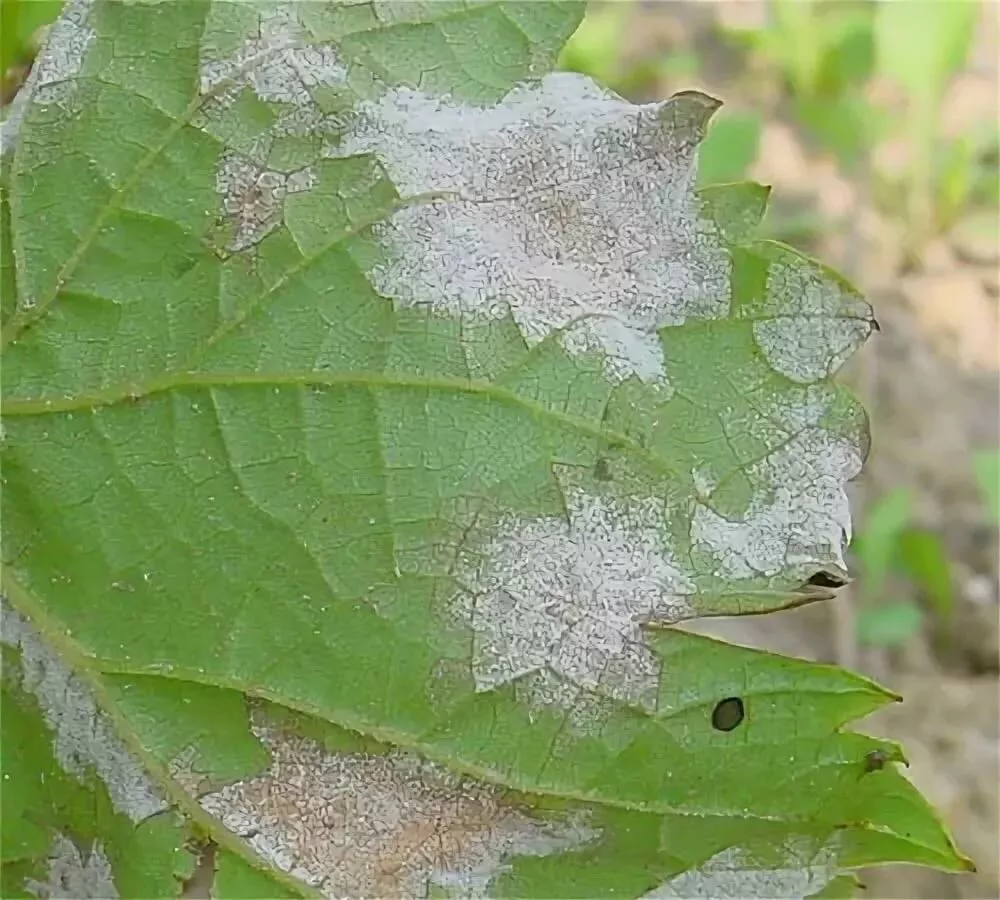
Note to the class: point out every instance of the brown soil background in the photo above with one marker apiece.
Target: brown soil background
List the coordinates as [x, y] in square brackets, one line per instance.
[930, 382]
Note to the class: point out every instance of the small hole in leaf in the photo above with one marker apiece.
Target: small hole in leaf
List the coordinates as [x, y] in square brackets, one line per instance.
[602, 470]
[826, 580]
[728, 714]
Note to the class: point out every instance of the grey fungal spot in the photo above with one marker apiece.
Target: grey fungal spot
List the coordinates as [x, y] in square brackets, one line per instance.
[61, 59]
[277, 61]
[74, 875]
[734, 873]
[82, 735]
[799, 515]
[820, 327]
[569, 596]
[254, 198]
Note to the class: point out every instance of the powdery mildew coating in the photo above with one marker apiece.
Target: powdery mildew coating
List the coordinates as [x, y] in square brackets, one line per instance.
[253, 197]
[568, 596]
[82, 735]
[732, 873]
[799, 515]
[279, 65]
[356, 825]
[72, 876]
[62, 57]
[568, 204]
[821, 325]
[276, 60]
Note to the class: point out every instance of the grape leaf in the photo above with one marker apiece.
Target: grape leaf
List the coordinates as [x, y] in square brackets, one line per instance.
[378, 405]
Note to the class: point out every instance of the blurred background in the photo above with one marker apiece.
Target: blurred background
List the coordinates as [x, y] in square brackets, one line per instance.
[877, 126]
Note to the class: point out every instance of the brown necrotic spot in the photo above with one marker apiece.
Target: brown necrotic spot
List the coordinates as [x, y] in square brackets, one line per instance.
[728, 714]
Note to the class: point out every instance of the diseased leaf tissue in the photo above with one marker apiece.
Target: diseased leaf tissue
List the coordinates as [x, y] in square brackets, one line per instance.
[377, 372]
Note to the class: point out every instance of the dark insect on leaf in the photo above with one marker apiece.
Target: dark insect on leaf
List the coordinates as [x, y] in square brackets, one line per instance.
[728, 714]
[875, 760]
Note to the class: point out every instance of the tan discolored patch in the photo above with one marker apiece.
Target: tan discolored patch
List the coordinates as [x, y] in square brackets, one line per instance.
[390, 825]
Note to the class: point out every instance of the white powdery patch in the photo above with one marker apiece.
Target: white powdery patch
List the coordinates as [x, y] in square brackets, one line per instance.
[802, 407]
[356, 825]
[280, 67]
[732, 873]
[52, 73]
[569, 206]
[72, 876]
[277, 62]
[569, 596]
[254, 197]
[820, 328]
[799, 514]
[61, 59]
[83, 737]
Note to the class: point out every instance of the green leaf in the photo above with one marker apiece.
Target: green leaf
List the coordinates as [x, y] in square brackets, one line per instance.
[876, 545]
[375, 409]
[8, 277]
[924, 558]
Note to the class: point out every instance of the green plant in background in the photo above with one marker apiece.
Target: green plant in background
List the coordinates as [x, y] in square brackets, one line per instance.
[920, 46]
[823, 53]
[889, 549]
[826, 54]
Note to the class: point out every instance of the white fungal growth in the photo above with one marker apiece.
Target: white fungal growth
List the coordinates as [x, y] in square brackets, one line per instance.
[254, 197]
[734, 873]
[279, 64]
[72, 876]
[83, 737]
[821, 324]
[277, 61]
[799, 514]
[61, 59]
[568, 205]
[569, 596]
[393, 825]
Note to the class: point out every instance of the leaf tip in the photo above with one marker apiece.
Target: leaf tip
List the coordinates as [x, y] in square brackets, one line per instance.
[703, 104]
